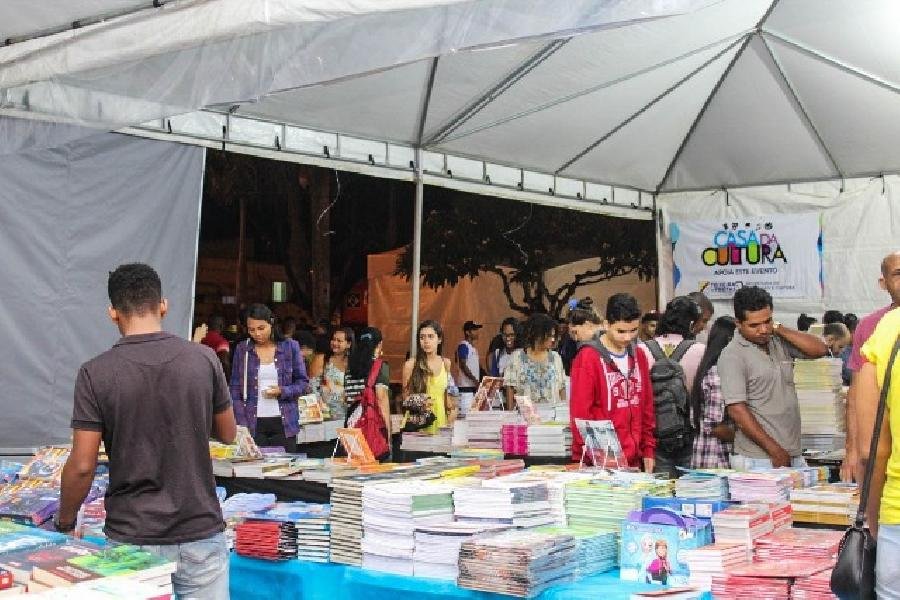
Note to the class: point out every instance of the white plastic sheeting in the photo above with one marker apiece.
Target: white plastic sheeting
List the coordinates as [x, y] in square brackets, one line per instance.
[70, 215]
[658, 95]
[860, 226]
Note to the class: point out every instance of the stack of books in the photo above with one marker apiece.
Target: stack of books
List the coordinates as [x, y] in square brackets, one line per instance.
[273, 540]
[768, 486]
[832, 504]
[439, 442]
[484, 427]
[514, 439]
[557, 479]
[14, 536]
[29, 502]
[504, 501]
[742, 525]
[705, 485]
[311, 522]
[550, 439]
[488, 469]
[713, 560]
[92, 519]
[518, 563]
[596, 551]
[764, 579]
[798, 544]
[782, 515]
[822, 406]
[814, 587]
[346, 521]
[436, 552]
[603, 503]
[391, 513]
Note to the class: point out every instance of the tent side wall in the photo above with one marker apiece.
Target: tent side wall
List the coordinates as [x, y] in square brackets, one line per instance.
[860, 225]
[70, 215]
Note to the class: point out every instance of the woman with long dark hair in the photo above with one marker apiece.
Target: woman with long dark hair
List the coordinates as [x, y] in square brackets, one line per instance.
[366, 386]
[536, 370]
[267, 376]
[429, 373]
[714, 431]
[336, 360]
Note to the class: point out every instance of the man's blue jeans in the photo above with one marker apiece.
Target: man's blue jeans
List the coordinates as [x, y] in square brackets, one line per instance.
[202, 568]
[887, 563]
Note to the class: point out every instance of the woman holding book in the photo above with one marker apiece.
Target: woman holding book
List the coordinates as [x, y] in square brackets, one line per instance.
[267, 376]
[428, 373]
[366, 386]
[536, 370]
[332, 387]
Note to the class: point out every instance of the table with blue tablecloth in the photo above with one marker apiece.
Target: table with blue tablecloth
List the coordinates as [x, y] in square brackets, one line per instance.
[296, 580]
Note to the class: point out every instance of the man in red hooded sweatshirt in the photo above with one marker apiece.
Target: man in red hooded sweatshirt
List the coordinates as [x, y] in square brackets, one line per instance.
[611, 381]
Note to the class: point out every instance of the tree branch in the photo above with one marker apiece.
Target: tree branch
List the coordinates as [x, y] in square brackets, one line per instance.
[522, 308]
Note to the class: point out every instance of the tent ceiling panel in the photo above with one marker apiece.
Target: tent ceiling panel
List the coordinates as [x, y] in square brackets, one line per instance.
[384, 105]
[861, 34]
[548, 139]
[641, 151]
[752, 131]
[23, 18]
[862, 140]
[609, 54]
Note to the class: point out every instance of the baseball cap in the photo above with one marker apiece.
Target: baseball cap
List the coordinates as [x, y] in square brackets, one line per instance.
[470, 325]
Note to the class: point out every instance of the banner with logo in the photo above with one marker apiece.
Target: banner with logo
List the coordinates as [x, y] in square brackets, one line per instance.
[781, 254]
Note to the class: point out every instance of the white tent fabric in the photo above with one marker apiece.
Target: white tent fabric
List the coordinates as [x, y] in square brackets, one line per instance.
[657, 95]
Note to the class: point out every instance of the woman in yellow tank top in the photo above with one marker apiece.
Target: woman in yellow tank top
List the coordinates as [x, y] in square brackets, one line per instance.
[429, 373]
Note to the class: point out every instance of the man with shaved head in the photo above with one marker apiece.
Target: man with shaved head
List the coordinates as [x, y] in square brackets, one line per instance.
[889, 282]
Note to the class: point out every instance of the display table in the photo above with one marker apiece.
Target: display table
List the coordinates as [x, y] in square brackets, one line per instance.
[406, 456]
[285, 490]
[295, 579]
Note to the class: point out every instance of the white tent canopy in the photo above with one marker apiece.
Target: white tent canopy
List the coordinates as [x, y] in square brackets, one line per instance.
[656, 95]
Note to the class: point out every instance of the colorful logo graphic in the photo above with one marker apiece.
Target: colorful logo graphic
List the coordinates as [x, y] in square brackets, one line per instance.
[747, 245]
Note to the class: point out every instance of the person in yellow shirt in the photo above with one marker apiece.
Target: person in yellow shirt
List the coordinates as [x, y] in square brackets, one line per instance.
[883, 510]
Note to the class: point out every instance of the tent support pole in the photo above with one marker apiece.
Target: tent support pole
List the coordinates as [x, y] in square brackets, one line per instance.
[416, 276]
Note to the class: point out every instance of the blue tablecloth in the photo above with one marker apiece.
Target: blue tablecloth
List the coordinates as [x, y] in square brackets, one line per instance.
[296, 580]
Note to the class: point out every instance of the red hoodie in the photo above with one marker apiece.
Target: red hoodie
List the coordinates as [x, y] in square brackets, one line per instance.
[599, 392]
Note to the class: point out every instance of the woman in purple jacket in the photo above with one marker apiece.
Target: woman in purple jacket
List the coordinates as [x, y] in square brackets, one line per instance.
[267, 376]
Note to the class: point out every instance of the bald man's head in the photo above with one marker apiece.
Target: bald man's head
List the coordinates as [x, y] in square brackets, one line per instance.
[889, 262]
[890, 276]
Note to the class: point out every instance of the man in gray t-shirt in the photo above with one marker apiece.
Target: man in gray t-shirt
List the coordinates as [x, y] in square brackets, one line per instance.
[757, 374]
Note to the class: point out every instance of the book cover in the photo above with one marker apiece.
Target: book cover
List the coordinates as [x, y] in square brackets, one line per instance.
[122, 560]
[61, 574]
[22, 563]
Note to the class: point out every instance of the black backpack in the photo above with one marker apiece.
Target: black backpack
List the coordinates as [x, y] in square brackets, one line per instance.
[671, 398]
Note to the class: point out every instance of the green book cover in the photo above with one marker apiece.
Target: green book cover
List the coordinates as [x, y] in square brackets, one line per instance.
[119, 560]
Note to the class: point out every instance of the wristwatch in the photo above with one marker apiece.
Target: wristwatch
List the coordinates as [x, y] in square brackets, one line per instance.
[63, 528]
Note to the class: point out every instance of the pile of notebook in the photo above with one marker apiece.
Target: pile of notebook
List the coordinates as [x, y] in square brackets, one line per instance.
[273, 540]
[514, 439]
[484, 427]
[557, 479]
[346, 521]
[768, 486]
[742, 524]
[832, 504]
[311, 522]
[436, 551]
[391, 513]
[596, 551]
[814, 587]
[516, 562]
[512, 501]
[765, 579]
[550, 439]
[713, 560]
[439, 442]
[488, 469]
[822, 406]
[798, 544]
[703, 485]
[602, 503]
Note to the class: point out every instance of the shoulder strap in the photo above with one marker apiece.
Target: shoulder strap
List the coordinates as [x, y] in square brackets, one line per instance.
[681, 350]
[246, 360]
[374, 372]
[655, 349]
[873, 446]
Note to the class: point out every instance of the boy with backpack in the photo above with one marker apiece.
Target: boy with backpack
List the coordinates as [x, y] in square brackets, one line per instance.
[610, 380]
[674, 356]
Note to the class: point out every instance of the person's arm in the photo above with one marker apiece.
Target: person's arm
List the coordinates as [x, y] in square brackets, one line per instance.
[299, 380]
[811, 346]
[407, 373]
[316, 366]
[648, 418]
[712, 421]
[581, 399]
[237, 385]
[77, 476]
[462, 353]
[450, 401]
[867, 397]
[850, 465]
[744, 419]
[511, 379]
[560, 370]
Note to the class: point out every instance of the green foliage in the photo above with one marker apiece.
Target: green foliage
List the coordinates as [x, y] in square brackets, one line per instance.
[464, 235]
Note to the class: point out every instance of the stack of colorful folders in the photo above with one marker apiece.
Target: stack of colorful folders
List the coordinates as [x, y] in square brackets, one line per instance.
[516, 562]
[436, 553]
[512, 501]
[713, 560]
[272, 540]
[514, 439]
[602, 503]
[391, 513]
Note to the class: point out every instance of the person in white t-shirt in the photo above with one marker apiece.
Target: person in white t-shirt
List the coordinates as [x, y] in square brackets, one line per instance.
[468, 366]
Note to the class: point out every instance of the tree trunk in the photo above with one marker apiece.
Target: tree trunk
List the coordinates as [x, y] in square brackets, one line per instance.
[320, 268]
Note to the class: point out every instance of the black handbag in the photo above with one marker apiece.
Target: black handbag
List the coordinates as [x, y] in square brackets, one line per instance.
[853, 577]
